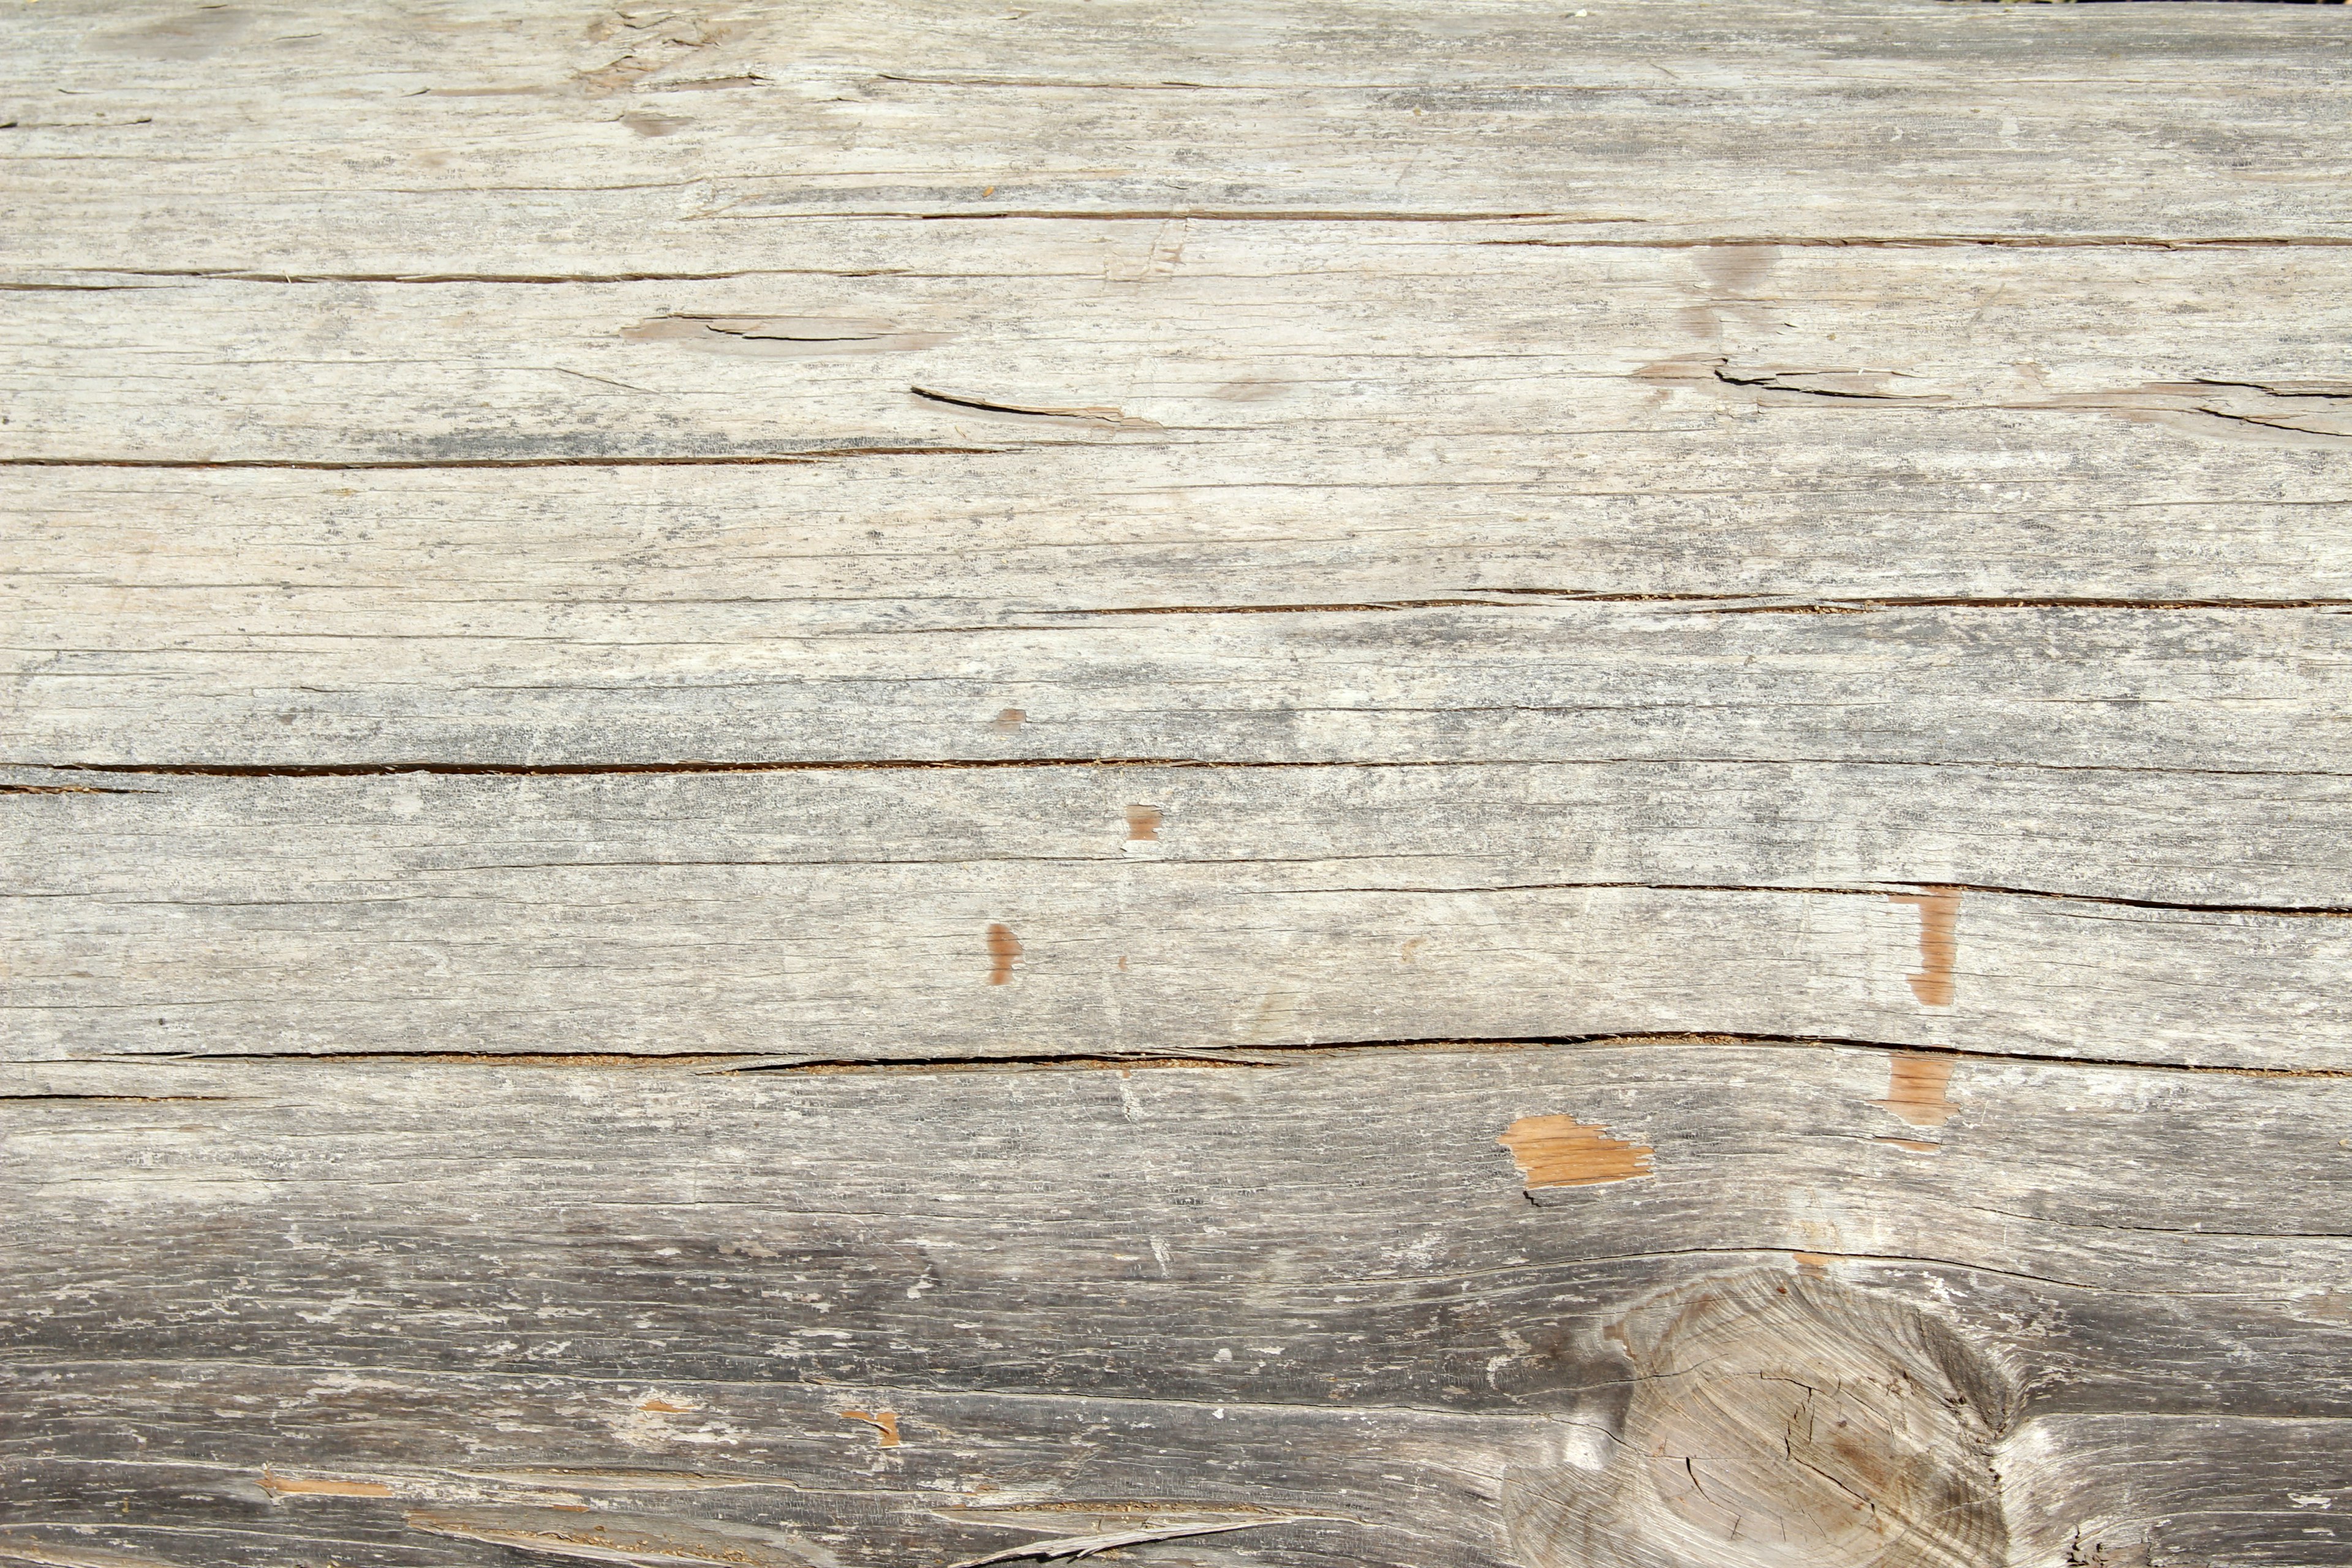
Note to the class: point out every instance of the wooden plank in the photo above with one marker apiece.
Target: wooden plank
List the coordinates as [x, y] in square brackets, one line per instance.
[509, 143]
[1201, 336]
[1690, 515]
[663, 636]
[929, 912]
[456, 1201]
[2233, 691]
[2148, 1490]
[256, 1461]
[661, 1291]
[819, 784]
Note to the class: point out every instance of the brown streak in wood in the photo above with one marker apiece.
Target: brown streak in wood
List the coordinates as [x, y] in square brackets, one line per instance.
[1003, 947]
[883, 1422]
[1561, 1151]
[279, 1486]
[1916, 1088]
[617, 1538]
[1915, 1145]
[1143, 824]
[1939, 942]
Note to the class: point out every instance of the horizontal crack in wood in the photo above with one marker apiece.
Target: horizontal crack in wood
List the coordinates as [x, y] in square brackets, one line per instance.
[1274, 1054]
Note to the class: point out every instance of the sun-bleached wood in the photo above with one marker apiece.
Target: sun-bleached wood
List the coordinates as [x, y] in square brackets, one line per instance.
[864, 783]
[515, 141]
[944, 911]
[1218, 340]
[2191, 690]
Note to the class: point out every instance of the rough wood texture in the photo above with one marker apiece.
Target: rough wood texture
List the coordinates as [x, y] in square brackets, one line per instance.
[820, 786]
[926, 912]
[1313, 1287]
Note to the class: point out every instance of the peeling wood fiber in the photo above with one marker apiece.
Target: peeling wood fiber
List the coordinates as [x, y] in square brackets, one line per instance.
[825, 786]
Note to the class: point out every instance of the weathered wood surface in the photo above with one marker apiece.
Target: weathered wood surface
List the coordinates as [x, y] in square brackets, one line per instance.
[1315, 1287]
[832, 784]
[515, 141]
[1207, 338]
[924, 912]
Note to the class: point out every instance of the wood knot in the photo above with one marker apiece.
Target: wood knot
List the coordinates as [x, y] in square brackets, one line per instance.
[1781, 1421]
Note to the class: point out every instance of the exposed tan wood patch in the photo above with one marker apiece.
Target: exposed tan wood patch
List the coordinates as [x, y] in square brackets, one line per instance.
[883, 1422]
[323, 1485]
[1143, 824]
[1916, 1089]
[1939, 942]
[1004, 949]
[1561, 1151]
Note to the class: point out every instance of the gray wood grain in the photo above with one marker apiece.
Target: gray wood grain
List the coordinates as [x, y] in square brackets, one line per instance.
[928, 913]
[253, 1463]
[523, 143]
[1224, 337]
[835, 784]
[1992, 511]
[489, 1286]
[2234, 691]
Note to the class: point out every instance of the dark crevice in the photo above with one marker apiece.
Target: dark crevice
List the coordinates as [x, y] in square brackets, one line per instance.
[813, 455]
[2333, 912]
[1759, 604]
[1273, 1055]
[1160, 215]
[2326, 912]
[1111, 418]
[1300, 609]
[68, 789]
[592, 770]
[1771, 381]
[1938, 242]
[245, 275]
[1866, 242]
[702, 1062]
[1876, 888]
[588, 770]
[1269, 1055]
[121, 1098]
[1708, 242]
